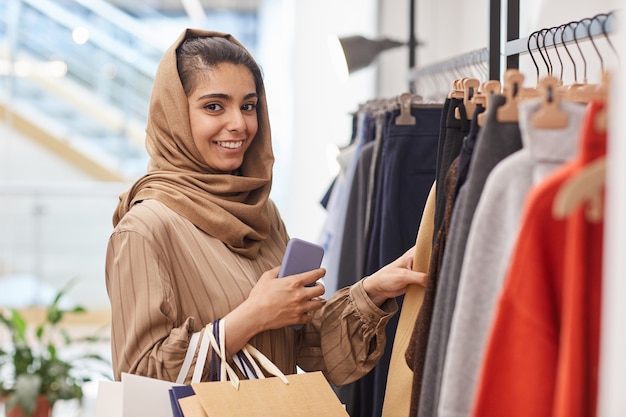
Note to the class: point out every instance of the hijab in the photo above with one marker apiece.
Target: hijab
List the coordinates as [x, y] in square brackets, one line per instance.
[230, 207]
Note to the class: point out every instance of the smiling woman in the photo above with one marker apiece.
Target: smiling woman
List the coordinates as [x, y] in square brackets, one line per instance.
[198, 240]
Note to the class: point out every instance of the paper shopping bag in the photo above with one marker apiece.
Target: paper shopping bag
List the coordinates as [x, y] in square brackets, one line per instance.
[191, 407]
[109, 399]
[134, 396]
[306, 395]
[143, 396]
[176, 394]
[298, 395]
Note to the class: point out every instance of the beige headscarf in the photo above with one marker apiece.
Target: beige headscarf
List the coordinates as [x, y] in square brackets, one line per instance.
[232, 208]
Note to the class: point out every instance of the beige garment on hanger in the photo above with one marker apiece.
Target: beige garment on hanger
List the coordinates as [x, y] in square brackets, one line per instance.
[397, 401]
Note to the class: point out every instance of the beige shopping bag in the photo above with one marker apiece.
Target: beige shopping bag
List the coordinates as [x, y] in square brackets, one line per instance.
[306, 395]
[191, 407]
[299, 395]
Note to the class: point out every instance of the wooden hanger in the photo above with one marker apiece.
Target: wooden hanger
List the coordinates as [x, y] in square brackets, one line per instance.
[405, 118]
[513, 80]
[457, 89]
[602, 94]
[487, 89]
[470, 89]
[577, 92]
[583, 188]
[586, 187]
[549, 115]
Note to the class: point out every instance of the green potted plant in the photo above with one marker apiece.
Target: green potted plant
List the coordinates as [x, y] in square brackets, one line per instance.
[34, 372]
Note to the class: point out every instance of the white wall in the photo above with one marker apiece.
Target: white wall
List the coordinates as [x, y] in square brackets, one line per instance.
[443, 34]
[309, 103]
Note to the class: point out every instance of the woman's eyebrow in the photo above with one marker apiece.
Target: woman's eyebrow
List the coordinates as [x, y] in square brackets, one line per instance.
[226, 96]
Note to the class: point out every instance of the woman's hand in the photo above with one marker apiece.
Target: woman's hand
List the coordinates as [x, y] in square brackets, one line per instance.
[283, 301]
[274, 303]
[393, 279]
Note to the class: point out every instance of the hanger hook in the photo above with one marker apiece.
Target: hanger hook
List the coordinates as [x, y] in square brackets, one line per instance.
[580, 50]
[563, 43]
[607, 16]
[593, 43]
[554, 31]
[542, 33]
[534, 34]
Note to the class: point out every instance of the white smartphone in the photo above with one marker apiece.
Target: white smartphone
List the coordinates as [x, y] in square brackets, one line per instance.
[300, 256]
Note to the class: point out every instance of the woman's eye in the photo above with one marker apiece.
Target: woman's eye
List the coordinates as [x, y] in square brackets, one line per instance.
[213, 107]
[248, 107]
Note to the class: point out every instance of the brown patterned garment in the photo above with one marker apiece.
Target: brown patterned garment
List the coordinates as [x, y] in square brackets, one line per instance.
[416, 351]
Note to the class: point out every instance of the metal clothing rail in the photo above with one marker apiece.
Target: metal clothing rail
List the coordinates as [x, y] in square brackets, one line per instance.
[574, 31]
[468, 59]
[433, 81]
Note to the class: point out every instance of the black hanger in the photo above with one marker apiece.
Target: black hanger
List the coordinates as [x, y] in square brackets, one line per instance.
[606, 17]
[543, 32]
[566, 26]
[539, 37]
[580, 51]
[554, 31]
[593, 43]
[534, 34]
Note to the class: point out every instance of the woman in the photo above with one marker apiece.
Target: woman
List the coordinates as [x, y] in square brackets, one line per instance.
[198, 239]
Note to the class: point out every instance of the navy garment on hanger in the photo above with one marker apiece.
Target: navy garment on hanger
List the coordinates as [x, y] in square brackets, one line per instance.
[448, 157]
[407, 166]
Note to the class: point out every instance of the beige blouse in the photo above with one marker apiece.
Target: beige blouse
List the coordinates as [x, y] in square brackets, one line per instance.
[167, 279]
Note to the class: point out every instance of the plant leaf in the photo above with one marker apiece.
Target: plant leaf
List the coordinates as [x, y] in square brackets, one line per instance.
[18, 325]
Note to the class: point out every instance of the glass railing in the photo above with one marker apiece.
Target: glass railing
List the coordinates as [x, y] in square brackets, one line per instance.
[83, 71]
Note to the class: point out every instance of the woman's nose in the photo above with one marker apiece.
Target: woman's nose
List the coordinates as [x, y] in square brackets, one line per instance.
[236, 122]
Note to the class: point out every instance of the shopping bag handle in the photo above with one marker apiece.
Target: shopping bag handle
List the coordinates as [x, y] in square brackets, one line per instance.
[267, 364]
[191, 350]
[253, 355]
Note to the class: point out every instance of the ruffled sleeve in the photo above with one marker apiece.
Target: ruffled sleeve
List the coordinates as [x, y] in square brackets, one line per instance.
[347, 336]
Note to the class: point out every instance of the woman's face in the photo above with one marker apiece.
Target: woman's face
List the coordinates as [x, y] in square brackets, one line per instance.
[223, 116]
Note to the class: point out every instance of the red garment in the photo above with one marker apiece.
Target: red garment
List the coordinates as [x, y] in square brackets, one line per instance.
[542, 354]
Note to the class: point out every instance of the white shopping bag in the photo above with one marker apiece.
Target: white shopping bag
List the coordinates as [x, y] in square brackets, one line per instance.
[143, 396]
[134, 396]
[109, 399]
[140, 396]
